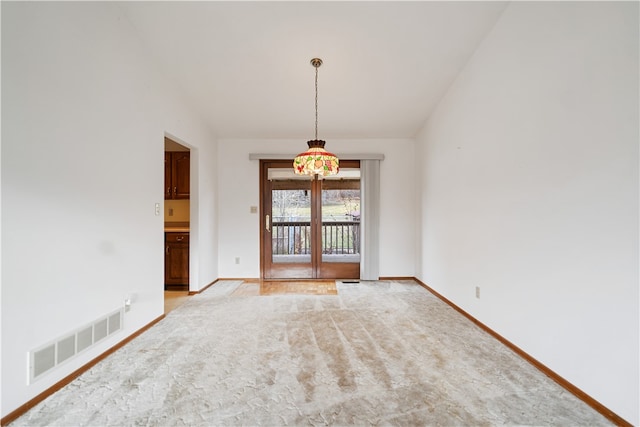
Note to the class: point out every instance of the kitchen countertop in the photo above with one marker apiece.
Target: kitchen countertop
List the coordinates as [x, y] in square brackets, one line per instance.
[176, 227]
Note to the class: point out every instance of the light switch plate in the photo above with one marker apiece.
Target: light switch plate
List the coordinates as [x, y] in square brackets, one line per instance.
[253, 209]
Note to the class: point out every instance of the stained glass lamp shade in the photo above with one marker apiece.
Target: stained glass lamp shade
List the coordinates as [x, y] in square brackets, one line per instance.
[316, 160]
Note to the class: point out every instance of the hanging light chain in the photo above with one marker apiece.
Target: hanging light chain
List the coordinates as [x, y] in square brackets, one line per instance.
[316, 161]
[316, 102]
[316, 62]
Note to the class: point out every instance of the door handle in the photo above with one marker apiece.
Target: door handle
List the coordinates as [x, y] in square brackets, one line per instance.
[266, 223]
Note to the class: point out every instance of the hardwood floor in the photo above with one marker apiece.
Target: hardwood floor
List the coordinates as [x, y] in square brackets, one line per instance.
[265, 288]
[174, 299]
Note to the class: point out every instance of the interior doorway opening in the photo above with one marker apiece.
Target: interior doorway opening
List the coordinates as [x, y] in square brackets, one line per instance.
[177, 214]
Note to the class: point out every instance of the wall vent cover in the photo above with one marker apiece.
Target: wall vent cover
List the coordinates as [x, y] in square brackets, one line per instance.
[52, 354]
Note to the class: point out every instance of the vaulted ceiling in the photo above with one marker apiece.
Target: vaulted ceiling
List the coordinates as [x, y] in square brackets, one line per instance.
[245, 66]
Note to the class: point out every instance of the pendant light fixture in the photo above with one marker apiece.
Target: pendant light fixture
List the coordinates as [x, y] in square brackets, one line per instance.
[316, 160]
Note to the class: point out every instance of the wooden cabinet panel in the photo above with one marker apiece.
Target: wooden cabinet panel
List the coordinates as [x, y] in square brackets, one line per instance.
[168, 189]
[176, 259]
[176, 174]
[177, 237]
[180, 175]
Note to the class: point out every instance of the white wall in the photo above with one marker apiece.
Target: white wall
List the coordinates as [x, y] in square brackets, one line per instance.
[239, 190]
[84, 119]
[203, 245]
[530, 191]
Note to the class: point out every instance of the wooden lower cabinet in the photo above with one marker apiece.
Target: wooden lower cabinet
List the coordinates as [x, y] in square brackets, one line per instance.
[176, 260]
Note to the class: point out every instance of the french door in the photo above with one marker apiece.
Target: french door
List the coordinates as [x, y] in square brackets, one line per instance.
[310, 228]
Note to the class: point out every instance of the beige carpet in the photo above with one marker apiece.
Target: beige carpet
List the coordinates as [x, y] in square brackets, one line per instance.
[378, 353]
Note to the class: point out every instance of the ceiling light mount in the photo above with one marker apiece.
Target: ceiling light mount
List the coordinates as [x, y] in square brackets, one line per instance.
[316, 161]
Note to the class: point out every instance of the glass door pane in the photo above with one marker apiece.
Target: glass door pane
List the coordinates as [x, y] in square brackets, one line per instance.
[291, 224]
[287, 234]
[340, 231]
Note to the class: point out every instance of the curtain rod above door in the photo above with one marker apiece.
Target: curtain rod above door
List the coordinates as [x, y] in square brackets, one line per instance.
[351, 156]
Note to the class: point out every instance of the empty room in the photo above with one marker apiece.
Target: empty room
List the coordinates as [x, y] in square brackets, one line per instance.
[320, 213]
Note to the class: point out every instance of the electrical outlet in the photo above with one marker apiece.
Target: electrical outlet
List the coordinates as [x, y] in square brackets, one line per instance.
[237, 260]
[170, 211]
[157, 209]
[478, 292]
[253, 209]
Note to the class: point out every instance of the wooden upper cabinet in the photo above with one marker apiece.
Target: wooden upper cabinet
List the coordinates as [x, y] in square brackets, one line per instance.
[180, 175]
[168, 189]
[176, 174]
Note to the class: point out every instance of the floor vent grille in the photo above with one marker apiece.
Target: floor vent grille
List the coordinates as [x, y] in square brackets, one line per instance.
[46, 357]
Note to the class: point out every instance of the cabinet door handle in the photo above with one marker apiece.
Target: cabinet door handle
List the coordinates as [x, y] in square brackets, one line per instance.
[179, 238]
[175, 190]
[166, 250]
[266, 223]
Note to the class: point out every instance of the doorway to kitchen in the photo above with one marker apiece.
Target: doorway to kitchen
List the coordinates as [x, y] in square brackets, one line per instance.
[310, 228]
[177, 194]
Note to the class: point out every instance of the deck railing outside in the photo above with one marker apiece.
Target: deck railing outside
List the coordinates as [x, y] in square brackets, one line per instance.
[294, 237]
